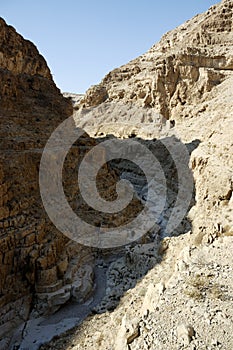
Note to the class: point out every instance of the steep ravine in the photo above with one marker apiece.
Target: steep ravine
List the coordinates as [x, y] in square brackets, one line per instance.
[41, 269]
[168, 290]
[109, 289]
[184, 85]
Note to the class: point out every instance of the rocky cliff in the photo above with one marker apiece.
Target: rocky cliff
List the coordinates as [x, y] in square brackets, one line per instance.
[176, 73]
[183, 83]
[40, 268]
[34, 257]
[186, 79]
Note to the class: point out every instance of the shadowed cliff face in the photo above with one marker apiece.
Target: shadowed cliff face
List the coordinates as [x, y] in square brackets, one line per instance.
[36, 260]
[40, 268]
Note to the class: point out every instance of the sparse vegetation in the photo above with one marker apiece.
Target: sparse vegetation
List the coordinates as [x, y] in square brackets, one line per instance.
[200, 287]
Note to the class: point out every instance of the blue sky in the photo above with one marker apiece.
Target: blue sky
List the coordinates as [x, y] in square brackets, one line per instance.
[83, 40]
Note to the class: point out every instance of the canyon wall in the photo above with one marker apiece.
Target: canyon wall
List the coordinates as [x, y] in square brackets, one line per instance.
[178, 71]
[38, 264]
[183, 87]
[184, 82]
[41, 269]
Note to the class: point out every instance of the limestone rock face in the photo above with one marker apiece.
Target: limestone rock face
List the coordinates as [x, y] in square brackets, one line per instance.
[178, 71]
[95, 95]
[182, 84]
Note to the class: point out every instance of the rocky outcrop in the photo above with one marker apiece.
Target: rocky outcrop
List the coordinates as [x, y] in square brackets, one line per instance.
[176, 73]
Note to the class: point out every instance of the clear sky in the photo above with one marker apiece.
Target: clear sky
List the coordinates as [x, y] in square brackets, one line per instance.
[82, 40]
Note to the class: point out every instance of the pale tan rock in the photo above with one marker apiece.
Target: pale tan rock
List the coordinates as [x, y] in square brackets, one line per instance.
[185, 333]
[121, 338]
[186, 78]
[150, 300]
[95, 95]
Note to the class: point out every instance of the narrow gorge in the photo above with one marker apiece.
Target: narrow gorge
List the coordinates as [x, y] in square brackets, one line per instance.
[171, 285]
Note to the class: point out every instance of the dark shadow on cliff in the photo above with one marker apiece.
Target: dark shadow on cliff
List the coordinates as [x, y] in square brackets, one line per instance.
[133, 261]
[120, 269]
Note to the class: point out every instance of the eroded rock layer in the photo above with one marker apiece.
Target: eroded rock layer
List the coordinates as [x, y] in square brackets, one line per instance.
[177, 72]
